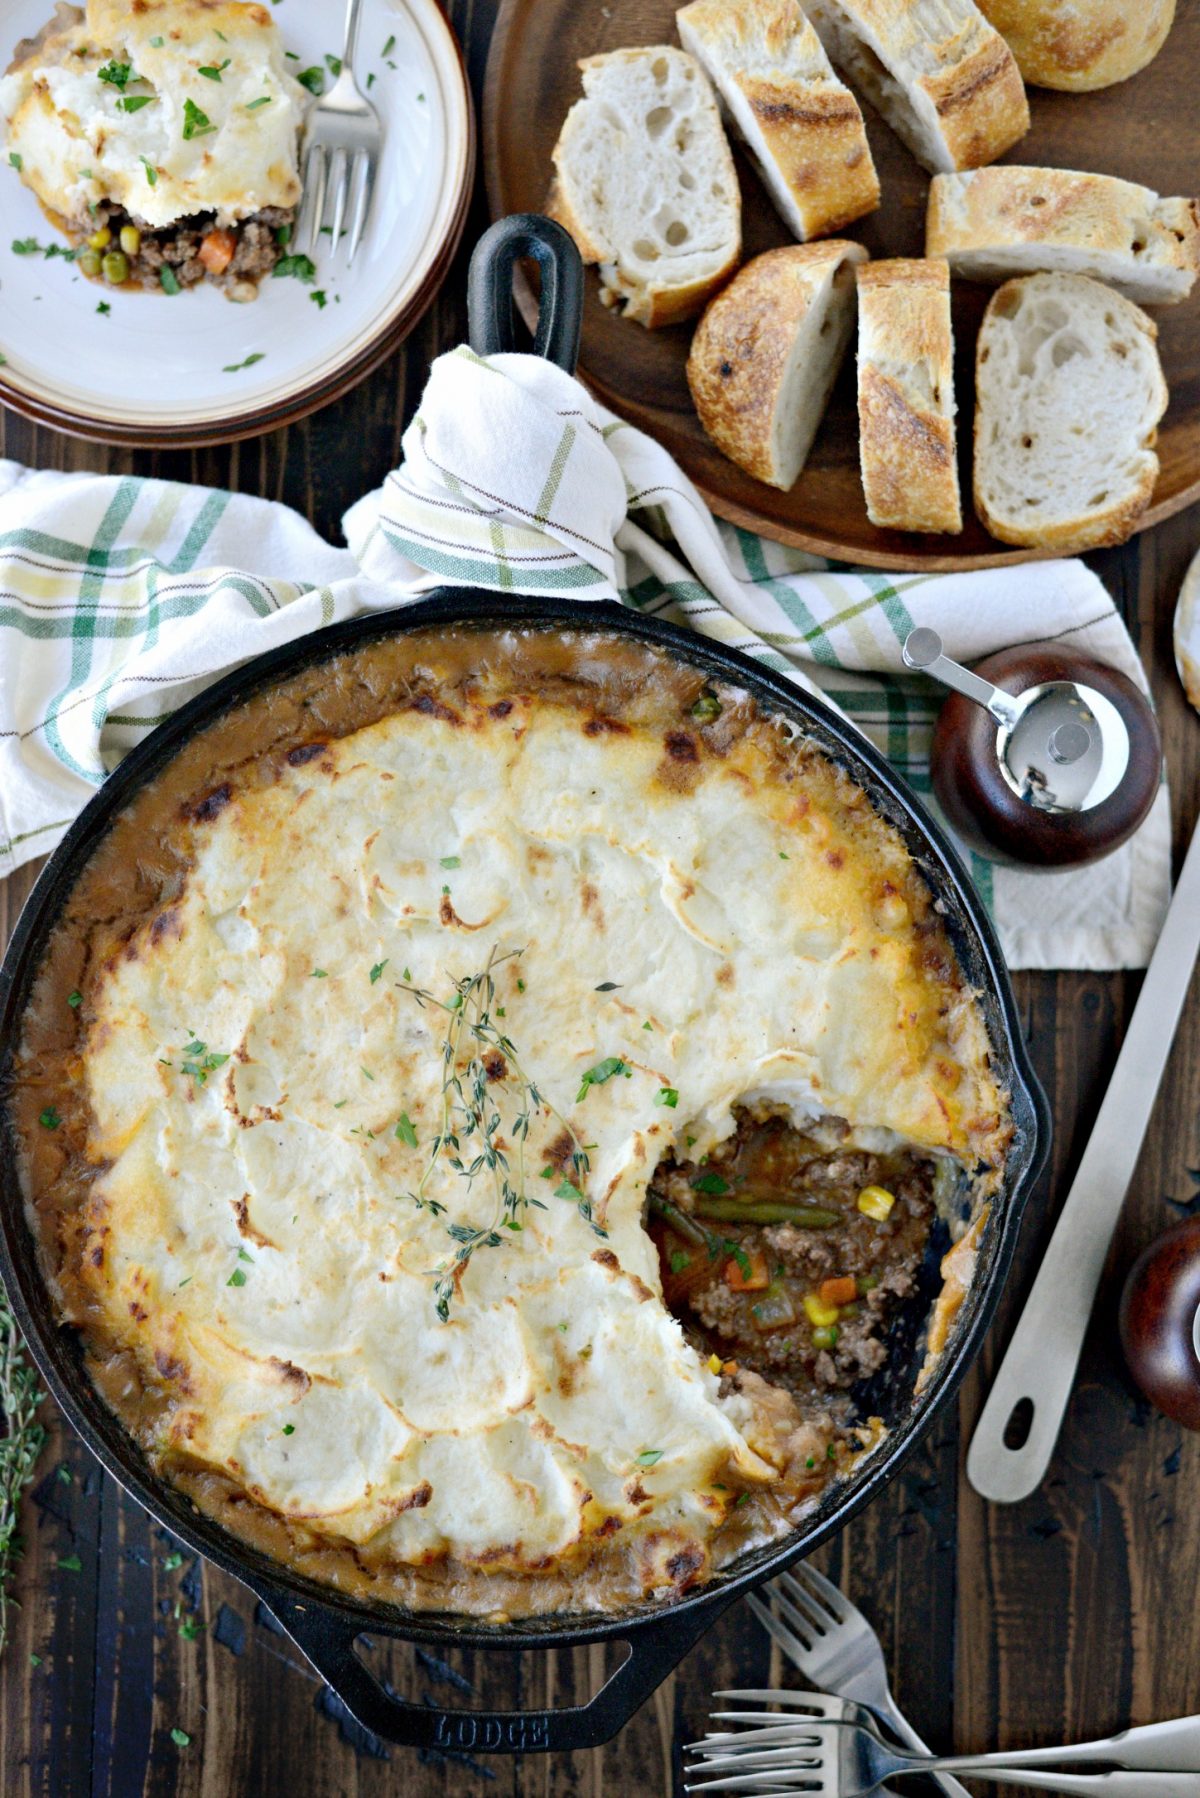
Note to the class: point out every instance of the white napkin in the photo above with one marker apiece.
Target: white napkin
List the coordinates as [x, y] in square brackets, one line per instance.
[121, 598]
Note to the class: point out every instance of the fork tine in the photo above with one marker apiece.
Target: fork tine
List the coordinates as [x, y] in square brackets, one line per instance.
[339, 181]
[794, 1699]
[822, 1589]
[364, 185]
[768, 1785]
[312, 209]
[777, 1630]
[790, 1595]
[753, 1755]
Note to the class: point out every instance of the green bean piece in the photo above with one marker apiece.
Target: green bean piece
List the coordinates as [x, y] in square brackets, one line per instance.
[766, 1211]
[116, 267]
[679, 1221]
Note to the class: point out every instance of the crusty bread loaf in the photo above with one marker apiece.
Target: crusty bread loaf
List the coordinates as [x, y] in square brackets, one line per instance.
[767, 351]
[945, 82]
[1081, 44]
[1068, 395]
[906, 396]
[645, 183]
[990, 224]
[799, 122]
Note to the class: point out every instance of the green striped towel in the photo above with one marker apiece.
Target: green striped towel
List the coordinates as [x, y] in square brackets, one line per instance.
[121, 598]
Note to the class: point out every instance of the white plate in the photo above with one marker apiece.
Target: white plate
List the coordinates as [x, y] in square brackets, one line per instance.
[152, 370]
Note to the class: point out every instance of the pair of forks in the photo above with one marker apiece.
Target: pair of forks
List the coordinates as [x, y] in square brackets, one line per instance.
[834, 1747]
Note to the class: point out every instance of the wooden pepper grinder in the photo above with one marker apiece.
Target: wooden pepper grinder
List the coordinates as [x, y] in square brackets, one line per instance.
[1042, 757]
[1160, 1323]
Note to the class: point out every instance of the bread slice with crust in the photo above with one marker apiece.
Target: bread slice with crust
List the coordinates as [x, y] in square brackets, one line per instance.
[1079, 45]
[990, 224]
[906, 444]
[645, 183]
[944, 80]
[767, 351]
[800, 123]
[1068, 395]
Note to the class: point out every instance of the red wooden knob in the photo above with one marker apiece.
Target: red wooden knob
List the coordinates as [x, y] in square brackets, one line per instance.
[981, 806]
[1160, 1323]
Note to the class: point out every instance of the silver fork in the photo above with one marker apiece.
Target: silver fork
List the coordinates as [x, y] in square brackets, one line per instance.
[833, 1646]
[345, 137]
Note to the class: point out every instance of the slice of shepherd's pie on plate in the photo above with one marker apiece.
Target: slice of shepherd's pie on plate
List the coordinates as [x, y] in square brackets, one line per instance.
[162, 138]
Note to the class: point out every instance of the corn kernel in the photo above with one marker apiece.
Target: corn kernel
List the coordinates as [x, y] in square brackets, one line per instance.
[714, 1364]
[100, 240]
[818, 1313]
[876, 1202]
[131, 239]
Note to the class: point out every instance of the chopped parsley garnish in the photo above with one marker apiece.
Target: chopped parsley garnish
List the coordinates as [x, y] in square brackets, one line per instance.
[647, 1025]
[135, 102]
[318, 974]
[173, 1561]
[200, 1062]
[195, 122]
[103, 308]
[50, 1118]
[117, 74]
[377, 970]
[35, 1660]
[289, 1429]
[366, 1072]
[151, 171]
[668, 1096]
[711, 1183]
[243, 1256]
[232, 368]
[520, 986]
[302, 267]
[313, 79]
[679, 1260]
[184, 1283]
[156, 43]
[189, 1629]
[451, 861]
[565, 1190]
[406, 1130]
[169, 280]
[706, 708]
[237, 1277]
[253, 106]
[370, 80]
[333, 64]
[603, 1070]
[319, 296]
[338, 1103]
[608, 986]
[71, 1564]
[388, 47]
[213, 72]
[29, 246]
[17, 161]
[284, 234]
[649, 1457]
[75, 999]
[180, 1737]
[25, 246]
[63, 1475]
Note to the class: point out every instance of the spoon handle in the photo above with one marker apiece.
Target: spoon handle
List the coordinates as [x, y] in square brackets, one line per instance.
[1038, 1371]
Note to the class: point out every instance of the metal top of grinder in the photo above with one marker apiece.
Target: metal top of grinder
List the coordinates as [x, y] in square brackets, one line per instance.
[1061, 746]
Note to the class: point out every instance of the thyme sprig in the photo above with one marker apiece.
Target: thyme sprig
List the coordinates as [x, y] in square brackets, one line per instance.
[476, 1055]
[20, 1446]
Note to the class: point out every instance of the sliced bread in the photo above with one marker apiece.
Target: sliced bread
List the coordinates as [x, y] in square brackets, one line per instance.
[645, 183]
[767, 351]
[1081, 44]
[993, 223]
[906, 443]
[800, 123]
[1068, 395]
[944, 80]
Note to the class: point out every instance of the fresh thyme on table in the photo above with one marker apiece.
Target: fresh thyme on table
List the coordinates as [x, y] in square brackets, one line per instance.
[468, 1111]
[20, 1446]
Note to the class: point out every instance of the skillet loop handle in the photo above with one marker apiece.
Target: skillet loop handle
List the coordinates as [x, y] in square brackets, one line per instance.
[655, 1650]
[490, 288]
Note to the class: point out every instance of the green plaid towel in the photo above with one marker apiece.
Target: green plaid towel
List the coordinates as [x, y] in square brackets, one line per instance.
[121, 598]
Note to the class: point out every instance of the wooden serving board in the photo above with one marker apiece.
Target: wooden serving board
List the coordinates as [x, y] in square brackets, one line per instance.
[1146, 129]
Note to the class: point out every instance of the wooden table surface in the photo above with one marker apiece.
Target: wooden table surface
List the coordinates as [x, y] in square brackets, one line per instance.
[1071, 1614]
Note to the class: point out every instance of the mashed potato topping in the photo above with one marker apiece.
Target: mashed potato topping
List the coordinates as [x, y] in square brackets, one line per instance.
[167, 108]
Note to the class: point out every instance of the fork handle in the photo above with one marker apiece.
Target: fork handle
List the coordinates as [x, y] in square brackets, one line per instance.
[1097, 1785]
[350, 35]
[903, 1730]
[1153, 1747]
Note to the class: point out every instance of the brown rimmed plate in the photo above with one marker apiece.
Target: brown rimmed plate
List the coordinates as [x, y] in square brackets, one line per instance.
[1144, 129]
[198, 369]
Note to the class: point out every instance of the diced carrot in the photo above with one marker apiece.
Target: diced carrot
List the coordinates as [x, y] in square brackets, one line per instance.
[842, 1291]
[757, 1280]
[216, 251]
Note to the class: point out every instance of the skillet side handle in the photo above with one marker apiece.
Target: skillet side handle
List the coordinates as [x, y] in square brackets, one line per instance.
[655, 1650]
[490, 284]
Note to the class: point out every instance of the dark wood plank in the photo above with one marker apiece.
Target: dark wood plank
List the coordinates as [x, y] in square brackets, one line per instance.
[1072, 1613]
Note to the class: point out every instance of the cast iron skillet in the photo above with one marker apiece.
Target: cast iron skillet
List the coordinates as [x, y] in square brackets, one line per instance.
[322, 1622]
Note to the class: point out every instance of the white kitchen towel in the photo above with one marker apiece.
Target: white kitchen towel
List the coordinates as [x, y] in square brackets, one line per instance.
[121, 598]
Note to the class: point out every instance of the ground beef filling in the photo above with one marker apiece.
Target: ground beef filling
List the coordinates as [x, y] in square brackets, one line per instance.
[787, 1252]
[234, 257]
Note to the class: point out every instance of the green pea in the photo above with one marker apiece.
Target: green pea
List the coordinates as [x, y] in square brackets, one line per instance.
[88, 263]
[825, 1338]
[867, 1282]
[116, 267]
